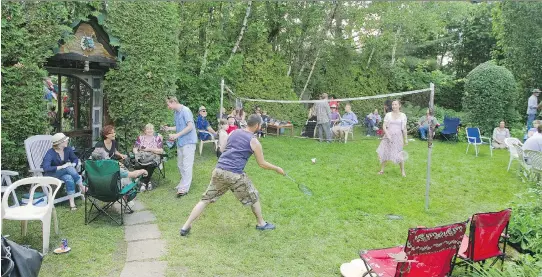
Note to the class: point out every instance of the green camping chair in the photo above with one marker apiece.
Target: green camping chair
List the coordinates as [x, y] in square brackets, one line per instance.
[104, 185]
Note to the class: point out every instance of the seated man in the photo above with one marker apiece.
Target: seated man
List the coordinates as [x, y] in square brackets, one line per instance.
[347, 122]
[424, 123]
[203, 125]
[534, 143]
[373, 119]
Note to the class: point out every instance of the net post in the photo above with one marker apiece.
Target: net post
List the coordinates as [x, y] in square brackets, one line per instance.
[429, 145]
[221, 97]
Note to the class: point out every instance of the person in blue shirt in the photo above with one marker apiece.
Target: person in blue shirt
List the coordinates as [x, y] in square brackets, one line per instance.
[206, 132]
[60, 162]
[185, 135]
[348, 120]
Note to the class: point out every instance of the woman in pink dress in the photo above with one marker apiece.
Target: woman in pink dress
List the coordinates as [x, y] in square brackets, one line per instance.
[395, 136]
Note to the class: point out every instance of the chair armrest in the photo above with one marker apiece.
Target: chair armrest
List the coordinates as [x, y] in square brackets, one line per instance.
[36, 172]
[9, 173]
[206, 132]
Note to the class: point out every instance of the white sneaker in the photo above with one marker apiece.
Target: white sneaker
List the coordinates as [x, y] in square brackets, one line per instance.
[368, 135]
[142, 189]
[149, 186]
[161, 166]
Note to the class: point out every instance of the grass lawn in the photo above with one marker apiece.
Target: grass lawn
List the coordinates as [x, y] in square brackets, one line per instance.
[347, 212]
[314, 235]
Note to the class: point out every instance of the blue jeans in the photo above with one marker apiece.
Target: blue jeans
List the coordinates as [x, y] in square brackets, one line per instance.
[423, 132]
[530, 119]
[69, 176]
[370, 127]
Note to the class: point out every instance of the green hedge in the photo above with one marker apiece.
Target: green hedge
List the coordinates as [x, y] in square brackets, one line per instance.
[135, 92]
[29, 32]
[490, 96]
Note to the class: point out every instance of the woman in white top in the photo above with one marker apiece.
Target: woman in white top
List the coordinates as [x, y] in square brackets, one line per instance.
[499, 134]
[395, 136]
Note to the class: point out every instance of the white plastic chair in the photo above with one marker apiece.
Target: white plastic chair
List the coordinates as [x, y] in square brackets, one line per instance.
[6, 182]
[36, 147]
[31, 212]
[201, 142]
[510, 142]
[351, 132]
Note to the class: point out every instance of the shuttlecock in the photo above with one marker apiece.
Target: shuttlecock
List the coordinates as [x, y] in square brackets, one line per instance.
[313, 160]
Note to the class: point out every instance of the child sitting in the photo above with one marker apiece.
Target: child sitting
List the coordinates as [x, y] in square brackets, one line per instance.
[231, 124]
[222, 137]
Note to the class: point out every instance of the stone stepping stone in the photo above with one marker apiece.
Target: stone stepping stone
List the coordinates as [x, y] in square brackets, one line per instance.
[144, 269]
[139, 218]
[145, 249]
[141, 232]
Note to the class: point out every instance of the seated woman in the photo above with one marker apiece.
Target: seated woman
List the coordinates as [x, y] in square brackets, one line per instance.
[148, 147]
[499, 134]
[203, 125]
[60, 162]
[110, 144]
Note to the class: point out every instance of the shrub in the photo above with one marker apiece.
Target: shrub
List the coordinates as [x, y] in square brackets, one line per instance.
[490, 96]
[136, 91]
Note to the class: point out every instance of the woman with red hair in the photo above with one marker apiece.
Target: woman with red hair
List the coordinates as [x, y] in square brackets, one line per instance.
[110, 144]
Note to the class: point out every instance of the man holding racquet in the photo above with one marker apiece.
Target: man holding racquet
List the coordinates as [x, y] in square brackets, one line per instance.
[229, 174]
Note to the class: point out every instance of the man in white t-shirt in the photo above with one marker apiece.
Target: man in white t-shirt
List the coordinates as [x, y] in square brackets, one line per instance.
[534, 143]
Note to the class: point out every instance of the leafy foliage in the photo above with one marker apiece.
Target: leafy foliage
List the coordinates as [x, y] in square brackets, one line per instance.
[490, 96]
[29, 32]
[525, 229]
[137, 89]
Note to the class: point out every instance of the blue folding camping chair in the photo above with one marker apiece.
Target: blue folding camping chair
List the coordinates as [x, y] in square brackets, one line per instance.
[451, 124]
[474, 138]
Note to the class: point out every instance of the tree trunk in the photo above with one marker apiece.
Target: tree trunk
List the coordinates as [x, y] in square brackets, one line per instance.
[318, 52]
[370, 57]
[310, 74]
[394, 49]
[207, 44]
[242, 32]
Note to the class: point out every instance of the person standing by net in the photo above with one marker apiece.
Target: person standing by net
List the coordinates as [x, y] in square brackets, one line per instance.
[323, 114]
[395, 136]
[229, 175]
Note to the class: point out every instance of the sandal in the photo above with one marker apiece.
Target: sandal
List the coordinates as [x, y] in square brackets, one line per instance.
[180, 194]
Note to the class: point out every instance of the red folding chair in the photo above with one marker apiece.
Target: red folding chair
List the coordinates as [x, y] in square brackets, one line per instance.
[486, 231]
[428, 252]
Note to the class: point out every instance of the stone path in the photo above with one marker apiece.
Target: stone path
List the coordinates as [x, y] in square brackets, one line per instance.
[145, 246]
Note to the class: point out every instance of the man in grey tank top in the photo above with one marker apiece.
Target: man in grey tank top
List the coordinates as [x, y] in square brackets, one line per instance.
[229, 174]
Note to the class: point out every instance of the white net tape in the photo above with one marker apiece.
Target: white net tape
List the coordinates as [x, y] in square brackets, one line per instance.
[390, 95]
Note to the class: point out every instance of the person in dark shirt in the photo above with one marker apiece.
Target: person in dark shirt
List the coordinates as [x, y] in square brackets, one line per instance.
[110, 144]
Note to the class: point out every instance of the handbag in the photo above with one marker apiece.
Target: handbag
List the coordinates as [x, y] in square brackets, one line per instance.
[146, 158]
[19, 261]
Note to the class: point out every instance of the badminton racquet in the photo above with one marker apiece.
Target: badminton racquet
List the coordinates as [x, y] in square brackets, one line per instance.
[306, 190]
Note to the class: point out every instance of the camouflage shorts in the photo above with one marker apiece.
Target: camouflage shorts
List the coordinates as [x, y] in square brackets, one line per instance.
[239, 184]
